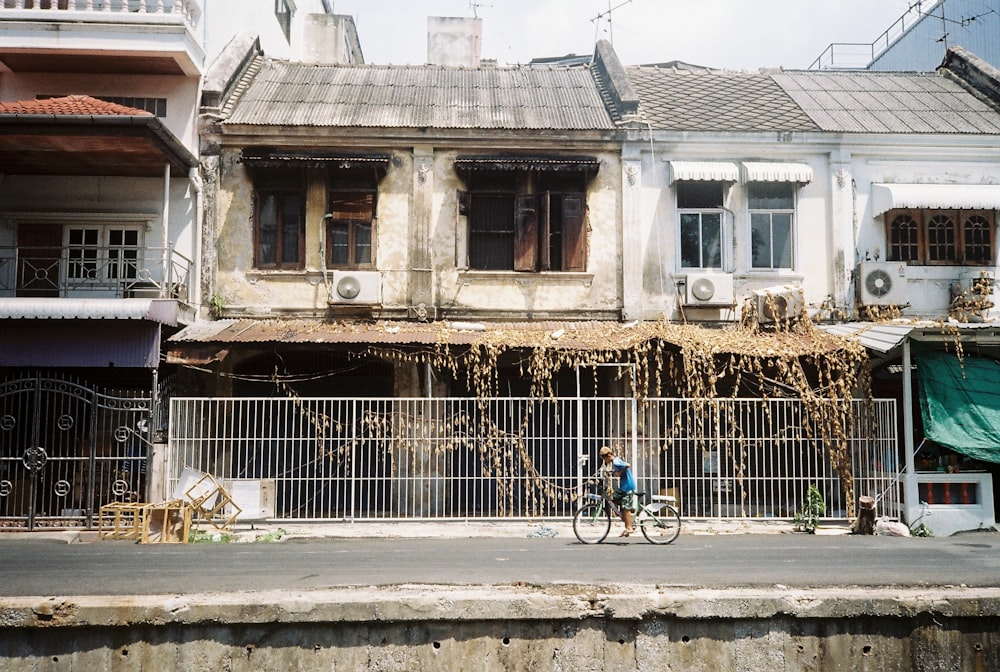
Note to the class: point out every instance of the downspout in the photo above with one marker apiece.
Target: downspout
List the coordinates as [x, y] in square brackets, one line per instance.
[165, 238]
[194, 294]
[911, 497]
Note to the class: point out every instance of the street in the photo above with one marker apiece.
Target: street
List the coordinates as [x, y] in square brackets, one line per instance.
[45, 567]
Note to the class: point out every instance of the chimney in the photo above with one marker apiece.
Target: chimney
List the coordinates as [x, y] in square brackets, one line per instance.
[454, 41]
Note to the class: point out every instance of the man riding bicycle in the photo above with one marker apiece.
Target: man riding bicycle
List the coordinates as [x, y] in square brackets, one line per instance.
[624, 494]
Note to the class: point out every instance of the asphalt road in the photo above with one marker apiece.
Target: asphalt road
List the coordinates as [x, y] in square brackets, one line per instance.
[46, 567]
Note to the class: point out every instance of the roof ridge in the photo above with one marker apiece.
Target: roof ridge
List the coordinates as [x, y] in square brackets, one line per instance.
[72, 105]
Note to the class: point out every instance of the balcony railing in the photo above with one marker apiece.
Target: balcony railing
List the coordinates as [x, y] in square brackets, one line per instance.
[61, 9]
[94, 272]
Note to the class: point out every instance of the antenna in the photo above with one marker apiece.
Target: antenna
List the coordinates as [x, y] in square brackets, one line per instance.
[600, 16]
[474, 6]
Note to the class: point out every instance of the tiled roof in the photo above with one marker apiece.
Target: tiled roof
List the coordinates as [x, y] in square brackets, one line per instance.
[70, 106]
[698, 100]
[888, 102]
[296, 94]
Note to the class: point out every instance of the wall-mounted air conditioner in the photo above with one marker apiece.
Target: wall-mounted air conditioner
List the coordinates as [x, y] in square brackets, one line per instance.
[356, 287]
[781, 302]
[708, 289]
[979, 283]
[881, 283]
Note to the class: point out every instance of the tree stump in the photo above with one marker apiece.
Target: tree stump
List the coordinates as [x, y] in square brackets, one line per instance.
[865, 522]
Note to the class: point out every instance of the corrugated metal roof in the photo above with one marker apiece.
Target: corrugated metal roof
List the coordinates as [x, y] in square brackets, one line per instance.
[163, 311]
[368, 96]
[872, 335]
[690, 100]
[942, 196]
[888, 102]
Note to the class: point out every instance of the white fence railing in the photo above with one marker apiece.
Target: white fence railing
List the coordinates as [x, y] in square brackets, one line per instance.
[394, 459]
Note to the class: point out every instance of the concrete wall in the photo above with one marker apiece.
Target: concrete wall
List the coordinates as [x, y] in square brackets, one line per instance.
[510, 628]
[420, 250]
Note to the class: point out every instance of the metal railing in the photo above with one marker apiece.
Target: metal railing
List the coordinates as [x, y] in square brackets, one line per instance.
[94, 271]
[189, 9]
[395, 459]
[859, 55]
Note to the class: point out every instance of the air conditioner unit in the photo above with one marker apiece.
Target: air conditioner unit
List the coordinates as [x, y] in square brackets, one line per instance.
[781, 302]
[979, 283]
[356, 287]
[881, 283]
[709, 289]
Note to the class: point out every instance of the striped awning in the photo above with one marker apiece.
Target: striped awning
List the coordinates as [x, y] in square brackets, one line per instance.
[937, 196]
[706, 171]
[773, 171]
[267, 157]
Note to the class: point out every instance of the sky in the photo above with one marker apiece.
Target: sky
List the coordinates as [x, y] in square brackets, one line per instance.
[730, 34]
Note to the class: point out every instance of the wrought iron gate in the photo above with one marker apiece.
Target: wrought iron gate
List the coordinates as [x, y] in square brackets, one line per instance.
[66, 449]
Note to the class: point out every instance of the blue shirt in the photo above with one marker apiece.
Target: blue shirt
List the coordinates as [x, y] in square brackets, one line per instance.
[626, 481]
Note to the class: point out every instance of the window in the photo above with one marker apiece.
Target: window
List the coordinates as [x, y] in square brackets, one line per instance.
[349, 229]
[526, 221]
[700, 207]
[279, 222]
[100, 253]
[772, 212]
[941, 237]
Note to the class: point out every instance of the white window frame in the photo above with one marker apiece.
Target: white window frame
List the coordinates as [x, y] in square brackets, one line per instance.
[101, 258]
[723, 237]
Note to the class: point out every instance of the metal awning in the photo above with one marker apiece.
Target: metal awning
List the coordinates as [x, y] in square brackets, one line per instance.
[706, 171]
[881, 338]
[938, 196]
[268, 157]
[121, 343]
[773, 171]
[163, 311]
[543, 162]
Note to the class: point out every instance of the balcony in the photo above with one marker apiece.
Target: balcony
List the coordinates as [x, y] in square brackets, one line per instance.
[149, 37]
[94, 272]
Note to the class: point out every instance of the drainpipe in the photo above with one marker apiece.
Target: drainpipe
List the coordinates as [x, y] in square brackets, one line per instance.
[165, 254]
[194, 293]
[911, 498]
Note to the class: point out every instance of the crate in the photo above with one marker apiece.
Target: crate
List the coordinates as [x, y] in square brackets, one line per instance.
[162, 523]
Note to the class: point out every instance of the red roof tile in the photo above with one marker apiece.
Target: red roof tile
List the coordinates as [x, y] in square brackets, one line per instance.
[70, 105]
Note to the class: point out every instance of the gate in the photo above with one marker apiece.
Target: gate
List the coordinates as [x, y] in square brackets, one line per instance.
[463, 458]
[67, 448]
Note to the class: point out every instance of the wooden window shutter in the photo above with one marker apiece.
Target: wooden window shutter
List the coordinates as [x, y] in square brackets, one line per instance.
[526, 234]
[544, 232]
[574, 227]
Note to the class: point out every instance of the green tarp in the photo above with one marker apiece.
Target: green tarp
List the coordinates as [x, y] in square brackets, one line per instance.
[960, 403]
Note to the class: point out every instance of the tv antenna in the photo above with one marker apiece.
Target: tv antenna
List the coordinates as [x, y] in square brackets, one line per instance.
[474, 6]
[596, 20]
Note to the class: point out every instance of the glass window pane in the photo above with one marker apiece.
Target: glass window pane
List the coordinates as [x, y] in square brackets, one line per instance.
[699, 195]
[711, 240]
[760, 240]
[339, 242]
[771, 195]
[362, 243]
[267, 229]
[290, 226]
[690, 240]
[781, 239]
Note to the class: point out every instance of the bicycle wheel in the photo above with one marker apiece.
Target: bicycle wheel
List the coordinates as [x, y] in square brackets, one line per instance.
[592, 523]
[660, 526]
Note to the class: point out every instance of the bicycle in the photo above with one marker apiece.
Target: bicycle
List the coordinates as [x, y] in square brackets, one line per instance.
[659, 522]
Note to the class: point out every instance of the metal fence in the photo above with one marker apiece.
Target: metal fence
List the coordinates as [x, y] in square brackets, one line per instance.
[394, 459]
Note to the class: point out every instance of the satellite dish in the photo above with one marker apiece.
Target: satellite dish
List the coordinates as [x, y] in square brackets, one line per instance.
[878, 283]
[703, 289]
[348, 287]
